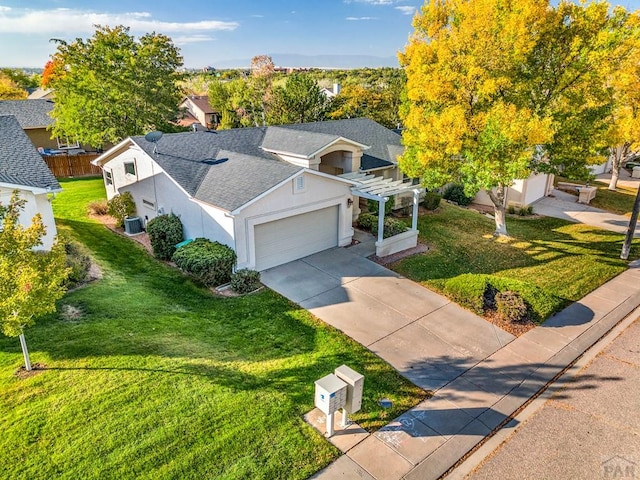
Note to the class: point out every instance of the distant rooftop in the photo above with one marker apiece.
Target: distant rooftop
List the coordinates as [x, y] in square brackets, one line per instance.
[30, 113]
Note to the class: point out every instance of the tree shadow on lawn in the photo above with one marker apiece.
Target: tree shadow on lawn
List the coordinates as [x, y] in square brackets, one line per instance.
[483, 257]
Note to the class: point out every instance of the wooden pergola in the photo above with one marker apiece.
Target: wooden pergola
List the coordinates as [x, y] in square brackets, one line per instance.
[380, 189]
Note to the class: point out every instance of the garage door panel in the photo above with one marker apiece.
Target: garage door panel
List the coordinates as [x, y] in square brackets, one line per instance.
[295, 237]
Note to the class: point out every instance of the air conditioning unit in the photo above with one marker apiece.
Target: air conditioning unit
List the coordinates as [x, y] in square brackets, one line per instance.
[132, 225]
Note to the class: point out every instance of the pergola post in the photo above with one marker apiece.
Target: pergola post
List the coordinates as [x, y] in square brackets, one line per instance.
[414, 219]
[381, 204]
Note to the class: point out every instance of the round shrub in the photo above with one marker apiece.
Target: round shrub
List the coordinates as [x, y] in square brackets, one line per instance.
[392, 226]
[367, 221]
[511, 306]
[78, 263]
[245, 281]
[210, 262]
[165, 231]
[121, 206]
[455, 193]
[431, 200]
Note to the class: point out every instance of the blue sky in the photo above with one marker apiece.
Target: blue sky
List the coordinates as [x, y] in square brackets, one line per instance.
[216, 30]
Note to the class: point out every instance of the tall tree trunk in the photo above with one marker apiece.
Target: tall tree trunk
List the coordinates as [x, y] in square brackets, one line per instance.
[499, 211]
[25, 353]
[617, 156]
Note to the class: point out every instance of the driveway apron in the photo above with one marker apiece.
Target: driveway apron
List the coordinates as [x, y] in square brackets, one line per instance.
[427, 338]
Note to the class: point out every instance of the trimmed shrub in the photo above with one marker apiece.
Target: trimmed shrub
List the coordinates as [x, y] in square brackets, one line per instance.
[392, 226]
[511, 306]
[121, 206]
[245, 281]
[374, 208]
[455, 193]
[210, 262]
[478, 293]
[165, 231]
[99, 207]
[367, 221]
[468, 290]
[78, 263]
[431, 200]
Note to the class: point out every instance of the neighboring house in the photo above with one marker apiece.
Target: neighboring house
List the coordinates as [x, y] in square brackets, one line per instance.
[331, 92]
[35, 119]
[271, 193]
[41, 93]
[523, 192]
[196, 109]
[22, 169]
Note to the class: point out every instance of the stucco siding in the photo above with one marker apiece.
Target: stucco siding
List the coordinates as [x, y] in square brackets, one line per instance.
[318, 193]
[34, 204]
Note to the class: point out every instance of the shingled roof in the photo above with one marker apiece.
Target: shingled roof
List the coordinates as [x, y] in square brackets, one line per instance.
[228, 168]
[30, 113]
[225, 168]
[384, 144]
[20, 162]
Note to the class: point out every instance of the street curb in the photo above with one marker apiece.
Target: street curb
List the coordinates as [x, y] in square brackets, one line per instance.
[492, 443]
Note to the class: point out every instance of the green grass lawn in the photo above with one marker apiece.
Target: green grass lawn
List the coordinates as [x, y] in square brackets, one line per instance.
[620, 201]
[565, 259]
[158, 378]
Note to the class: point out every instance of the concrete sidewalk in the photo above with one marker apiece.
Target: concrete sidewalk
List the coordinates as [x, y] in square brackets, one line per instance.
[564, 205]
[425, 442]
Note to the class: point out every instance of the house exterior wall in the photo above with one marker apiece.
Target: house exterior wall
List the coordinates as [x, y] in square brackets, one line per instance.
[34, 204]
[40, 137]
[285, 201]
[154, 193]
[522, 192]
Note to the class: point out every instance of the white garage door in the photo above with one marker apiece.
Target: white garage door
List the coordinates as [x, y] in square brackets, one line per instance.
[295, 237]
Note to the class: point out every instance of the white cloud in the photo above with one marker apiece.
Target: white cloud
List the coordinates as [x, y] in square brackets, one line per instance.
[356, 19]
[256, 15]
[73, 21]
[186, 39]
[406, 9]
[4, 9]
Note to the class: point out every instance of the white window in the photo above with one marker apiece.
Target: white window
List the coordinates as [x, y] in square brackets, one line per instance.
[108, 178]
[130, 168]
[66, 144]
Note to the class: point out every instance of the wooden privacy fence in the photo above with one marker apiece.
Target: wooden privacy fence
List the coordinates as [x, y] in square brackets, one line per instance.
[72, 165]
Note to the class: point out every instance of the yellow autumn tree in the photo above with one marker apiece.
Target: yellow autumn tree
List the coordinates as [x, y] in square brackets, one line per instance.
[624, 132]
[500, 89]
[463, 66]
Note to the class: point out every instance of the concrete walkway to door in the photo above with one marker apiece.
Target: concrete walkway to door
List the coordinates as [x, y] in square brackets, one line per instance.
[425, 336]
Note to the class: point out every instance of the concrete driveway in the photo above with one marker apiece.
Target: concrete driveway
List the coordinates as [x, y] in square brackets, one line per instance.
[427, 338]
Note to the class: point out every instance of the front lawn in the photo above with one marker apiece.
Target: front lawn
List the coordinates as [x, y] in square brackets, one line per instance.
[149, 375]
[567, 260]
[620, 201]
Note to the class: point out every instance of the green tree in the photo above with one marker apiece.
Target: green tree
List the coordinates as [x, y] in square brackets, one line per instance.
[299, 100]
[30, 280]
[113, 85]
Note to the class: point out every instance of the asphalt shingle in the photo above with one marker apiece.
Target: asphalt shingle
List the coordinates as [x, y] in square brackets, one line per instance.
[31, 113]
[20, 162]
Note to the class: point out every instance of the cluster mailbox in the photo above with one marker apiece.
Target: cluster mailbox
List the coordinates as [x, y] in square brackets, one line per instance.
[339, 390]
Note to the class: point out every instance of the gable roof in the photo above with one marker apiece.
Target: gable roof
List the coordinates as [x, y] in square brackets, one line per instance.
[30, 113]
[200, 101]
[225, 168]
[385, 145]
[229, 168]
[20, 162]
[299, 143]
